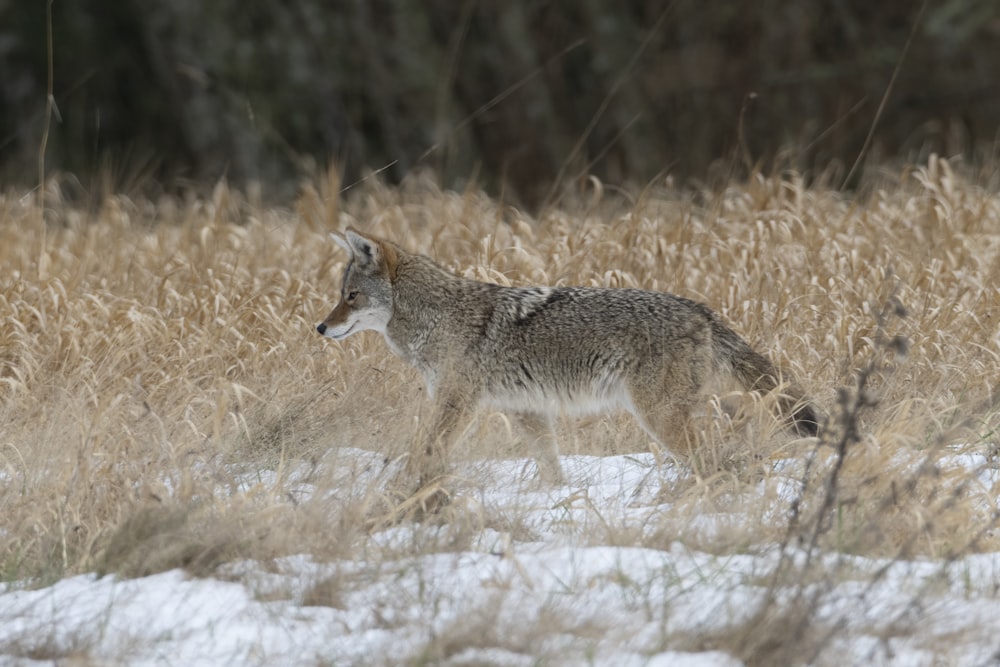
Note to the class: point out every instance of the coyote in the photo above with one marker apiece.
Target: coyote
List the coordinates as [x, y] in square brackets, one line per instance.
[542, 351]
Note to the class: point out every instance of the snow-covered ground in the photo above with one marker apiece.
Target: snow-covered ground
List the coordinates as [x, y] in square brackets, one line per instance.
[556, 590]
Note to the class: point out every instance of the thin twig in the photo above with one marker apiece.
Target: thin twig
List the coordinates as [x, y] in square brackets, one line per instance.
[605, 103]
[885, 96]
[49, 103]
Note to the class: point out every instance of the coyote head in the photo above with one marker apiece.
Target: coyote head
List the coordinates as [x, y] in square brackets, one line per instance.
[366, 293]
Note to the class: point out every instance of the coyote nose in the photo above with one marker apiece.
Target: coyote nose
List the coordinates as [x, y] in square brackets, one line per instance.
[321, 329]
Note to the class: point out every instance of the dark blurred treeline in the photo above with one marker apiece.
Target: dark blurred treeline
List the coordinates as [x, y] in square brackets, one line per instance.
[516, 95]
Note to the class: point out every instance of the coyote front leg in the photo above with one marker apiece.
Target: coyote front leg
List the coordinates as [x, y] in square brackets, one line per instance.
[428, 460]
[543, 444]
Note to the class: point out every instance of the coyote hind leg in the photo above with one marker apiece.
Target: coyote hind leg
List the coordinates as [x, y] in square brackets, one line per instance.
[662, 399]
[670, 425]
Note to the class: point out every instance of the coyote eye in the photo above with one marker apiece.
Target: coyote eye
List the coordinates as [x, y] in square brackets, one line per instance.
[352, 296]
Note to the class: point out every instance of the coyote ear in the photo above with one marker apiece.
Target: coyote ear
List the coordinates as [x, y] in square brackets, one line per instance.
[364, 250]
[372, 255]
[342, 242]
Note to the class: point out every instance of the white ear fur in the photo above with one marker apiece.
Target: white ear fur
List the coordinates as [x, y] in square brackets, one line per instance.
[342, 242]
[364, 250]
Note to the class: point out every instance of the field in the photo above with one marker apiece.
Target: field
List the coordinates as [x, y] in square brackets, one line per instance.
[189, 473]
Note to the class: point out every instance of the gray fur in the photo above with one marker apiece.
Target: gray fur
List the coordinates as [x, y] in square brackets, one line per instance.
[543, 351]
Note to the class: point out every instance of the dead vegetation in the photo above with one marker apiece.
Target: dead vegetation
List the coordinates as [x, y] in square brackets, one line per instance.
[163, 395]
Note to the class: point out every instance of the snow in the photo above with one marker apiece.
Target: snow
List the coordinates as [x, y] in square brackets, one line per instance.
[558, 595]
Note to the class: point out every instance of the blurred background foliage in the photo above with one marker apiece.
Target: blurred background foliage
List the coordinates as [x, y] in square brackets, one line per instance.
[522, 97]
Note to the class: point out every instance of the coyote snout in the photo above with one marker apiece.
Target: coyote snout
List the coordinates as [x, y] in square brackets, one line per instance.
[322, 329]
[540, 351]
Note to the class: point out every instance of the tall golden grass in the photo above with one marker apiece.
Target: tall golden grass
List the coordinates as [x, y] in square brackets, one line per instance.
[162, 388]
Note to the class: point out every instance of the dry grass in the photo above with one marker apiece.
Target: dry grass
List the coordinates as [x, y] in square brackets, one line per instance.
[162, 390]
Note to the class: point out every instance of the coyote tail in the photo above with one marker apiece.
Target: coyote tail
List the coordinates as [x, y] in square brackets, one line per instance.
[755, 372]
